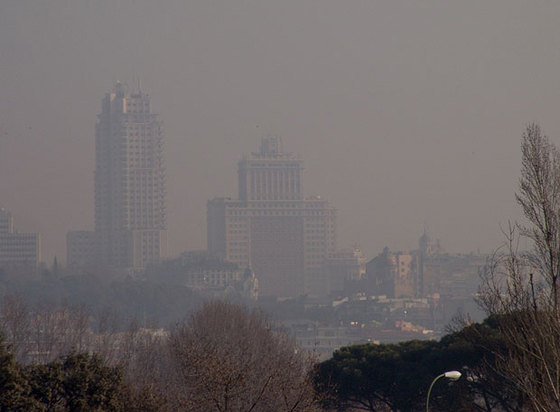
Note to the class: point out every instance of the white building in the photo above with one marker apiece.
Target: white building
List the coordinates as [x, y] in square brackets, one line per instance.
[130, 218]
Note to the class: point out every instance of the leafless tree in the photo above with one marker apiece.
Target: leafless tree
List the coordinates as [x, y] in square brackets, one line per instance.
[78, 336]
[107, 329]
[150, 370]
[51, 327]
[539, 197]
[521, 287]
[231, 359]
[42, 332]
[15, 325]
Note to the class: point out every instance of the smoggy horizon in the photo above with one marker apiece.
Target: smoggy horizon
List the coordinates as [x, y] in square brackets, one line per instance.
[408, 115]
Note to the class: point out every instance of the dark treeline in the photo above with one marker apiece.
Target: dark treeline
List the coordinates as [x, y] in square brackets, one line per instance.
[396, 377]
[227, 357]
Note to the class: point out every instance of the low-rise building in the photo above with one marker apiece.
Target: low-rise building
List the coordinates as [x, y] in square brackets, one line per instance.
[20, 253]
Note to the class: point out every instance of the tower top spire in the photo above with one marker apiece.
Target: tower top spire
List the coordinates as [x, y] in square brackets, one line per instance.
[120, 89]
[271, 145]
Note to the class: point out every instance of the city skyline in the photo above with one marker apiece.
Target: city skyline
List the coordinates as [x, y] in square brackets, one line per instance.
[408, 116]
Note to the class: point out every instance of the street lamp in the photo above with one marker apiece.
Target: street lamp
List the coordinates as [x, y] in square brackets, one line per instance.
[451, 375]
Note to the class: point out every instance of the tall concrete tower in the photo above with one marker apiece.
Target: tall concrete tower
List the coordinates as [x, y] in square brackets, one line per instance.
[130, 221]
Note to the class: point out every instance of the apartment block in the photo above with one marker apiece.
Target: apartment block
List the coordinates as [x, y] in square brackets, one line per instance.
[130, 214]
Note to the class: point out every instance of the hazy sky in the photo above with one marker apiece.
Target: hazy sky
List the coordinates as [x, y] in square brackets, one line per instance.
[408, 113]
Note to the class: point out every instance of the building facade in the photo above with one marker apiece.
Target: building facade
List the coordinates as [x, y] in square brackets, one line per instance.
[271, 228]
[205, 273]
[395, 275]
[20, 253]
[130, 216]
[344, 266]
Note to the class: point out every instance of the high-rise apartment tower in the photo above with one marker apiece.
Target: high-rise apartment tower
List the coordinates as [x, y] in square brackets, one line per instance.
[130, 221]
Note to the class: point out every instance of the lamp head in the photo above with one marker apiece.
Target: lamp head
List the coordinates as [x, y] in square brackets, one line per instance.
[452, 375]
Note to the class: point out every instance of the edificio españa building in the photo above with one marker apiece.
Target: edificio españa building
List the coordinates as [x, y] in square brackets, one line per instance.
[284, 238]
[130, 217]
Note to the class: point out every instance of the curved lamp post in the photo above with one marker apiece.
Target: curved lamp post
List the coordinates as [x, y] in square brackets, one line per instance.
[451, 375]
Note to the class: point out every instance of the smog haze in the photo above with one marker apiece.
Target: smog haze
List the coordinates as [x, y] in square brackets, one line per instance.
[408, 114]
